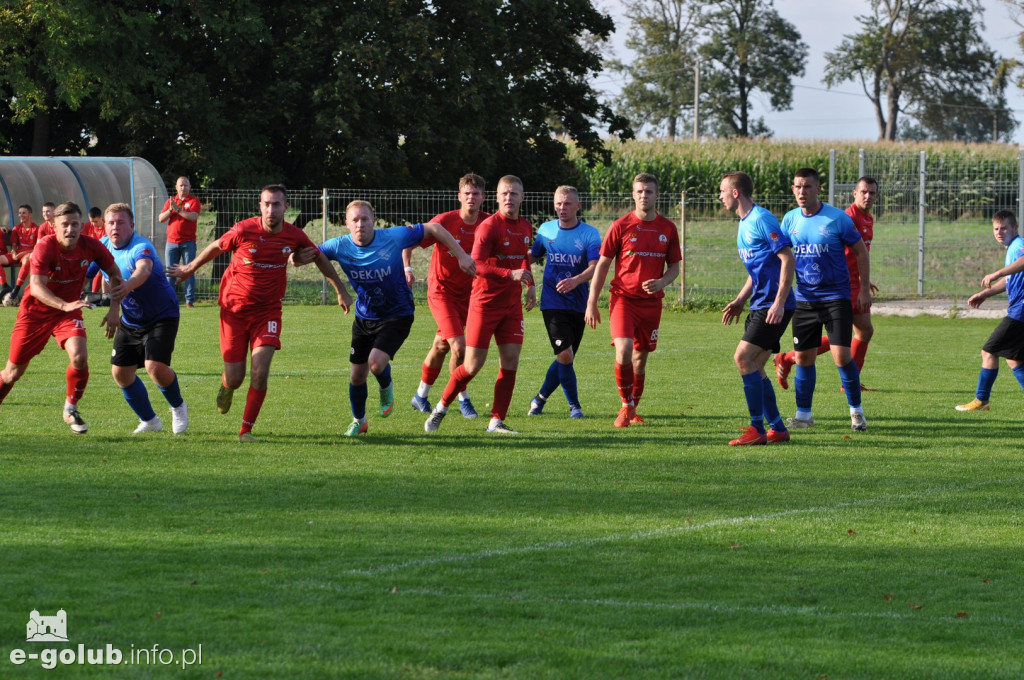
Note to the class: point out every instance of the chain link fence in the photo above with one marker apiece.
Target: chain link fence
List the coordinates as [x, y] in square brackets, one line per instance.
[933, 235]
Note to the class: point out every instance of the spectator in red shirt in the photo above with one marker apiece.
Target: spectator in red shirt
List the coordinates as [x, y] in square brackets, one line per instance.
[181, 212]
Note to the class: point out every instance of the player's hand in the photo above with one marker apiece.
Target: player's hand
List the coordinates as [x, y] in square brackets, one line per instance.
[976, 300]
[468, 265]
[410, 278]
[304, 255]
[179, 272]
[522, 275]
[731, 312]
[345, 301]
[531, 298]
[566, 285]
[776, 313]
[111, 320]
[652, 286]
[863, 301]
[989, 280]
[874, 289]
[119, 291]
[592, 316]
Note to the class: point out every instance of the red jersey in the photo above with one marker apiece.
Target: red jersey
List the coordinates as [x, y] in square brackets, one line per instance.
[90, 229]
[65, 269]
[46, 229]
[258, 275]
[180, 230]
[864, 223]
[23, 239]
[642, 250]
[500, 245]
[445, 277]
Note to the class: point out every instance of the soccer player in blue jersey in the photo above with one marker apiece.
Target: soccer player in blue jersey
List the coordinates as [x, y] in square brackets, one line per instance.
[572, 249]
[372, 260]
[820, 233]
[767, 254]
[147, 323]
[1007, 340]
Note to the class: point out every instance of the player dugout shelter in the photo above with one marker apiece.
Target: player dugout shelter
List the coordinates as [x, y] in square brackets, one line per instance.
[88, 181]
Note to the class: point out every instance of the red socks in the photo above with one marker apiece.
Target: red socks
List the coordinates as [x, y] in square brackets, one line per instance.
[253, 403]
[624, 381]
[503, 387]
[77, 380]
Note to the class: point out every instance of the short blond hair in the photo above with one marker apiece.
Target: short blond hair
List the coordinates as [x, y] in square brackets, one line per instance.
[120, 208]
[358, 203]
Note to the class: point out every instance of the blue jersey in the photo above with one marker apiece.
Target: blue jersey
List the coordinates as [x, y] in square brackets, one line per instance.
[155, 299]
[569, 252]
[376, 271]
[759, 239]
[1015, 282]
[819, 242]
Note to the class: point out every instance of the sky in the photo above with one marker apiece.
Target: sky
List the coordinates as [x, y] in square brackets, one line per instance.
[843, 112]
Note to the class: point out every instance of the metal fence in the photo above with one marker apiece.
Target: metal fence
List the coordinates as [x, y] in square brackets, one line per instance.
[933, 234]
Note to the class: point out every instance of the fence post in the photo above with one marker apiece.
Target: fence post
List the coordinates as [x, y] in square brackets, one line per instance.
[1020, 183]
[682, 248]
[831, 176]
[861, 164]
[920, 226]
[323, 282]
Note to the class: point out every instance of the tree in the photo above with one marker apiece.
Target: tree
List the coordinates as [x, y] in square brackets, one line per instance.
[400, 93]
[743, 46]
[749, 48]
[658, 92]
[916, 56]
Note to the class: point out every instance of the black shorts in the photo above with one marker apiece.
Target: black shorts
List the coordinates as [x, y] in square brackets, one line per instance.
[759, 332]
[136, 346]
[835, 315]
[387, 335]
[565, 329]
[1007, 340]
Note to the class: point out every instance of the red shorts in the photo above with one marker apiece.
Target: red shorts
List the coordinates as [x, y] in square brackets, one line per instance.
[505, 325]
[239, 332]
[637, 319]
[32, 331]
[449, 314]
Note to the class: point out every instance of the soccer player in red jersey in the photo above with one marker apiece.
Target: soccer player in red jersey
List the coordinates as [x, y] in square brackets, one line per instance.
[864, 194]
[47, 228]
[52, 307]
[23, 239]
[645, 248]
[251, 291]
[97, 230]
[501, 249]
[448, 291]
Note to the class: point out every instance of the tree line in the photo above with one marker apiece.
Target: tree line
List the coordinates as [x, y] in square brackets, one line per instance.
[397, 93]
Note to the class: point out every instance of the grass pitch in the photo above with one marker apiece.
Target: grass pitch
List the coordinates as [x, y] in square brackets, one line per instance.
[572, 551]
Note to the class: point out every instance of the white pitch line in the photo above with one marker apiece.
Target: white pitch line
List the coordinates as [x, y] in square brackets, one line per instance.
[656, 533]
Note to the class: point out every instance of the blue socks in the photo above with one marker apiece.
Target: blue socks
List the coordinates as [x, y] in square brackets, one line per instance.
[804, 380]
[551, 381]
[172, 393]
[384, 379]
[986, 378]
[771, 408]
[754, 393]
[138, 399]
[357, 397]
[567, 376]
[850, 375]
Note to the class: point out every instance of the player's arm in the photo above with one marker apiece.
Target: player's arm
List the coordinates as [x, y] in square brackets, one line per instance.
[732, 311]
[863, 301]
[441, 235]
[182, 272]
[410, 277]
[778, 309]
[143, 268]
[566, 285]
[166, 214]
[1014, 267]
[592, 316]
[984, 294]
[328, 270]
[654, 285]
[47, 297]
